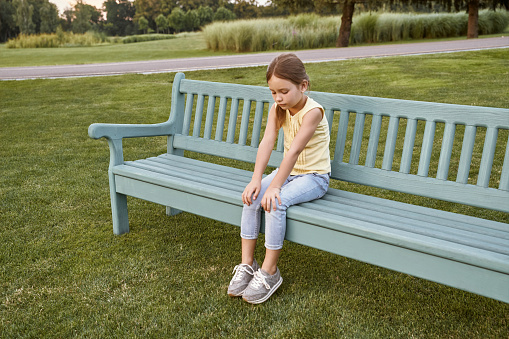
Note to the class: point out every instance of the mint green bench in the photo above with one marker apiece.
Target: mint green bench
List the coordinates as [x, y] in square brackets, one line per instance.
[227, 121]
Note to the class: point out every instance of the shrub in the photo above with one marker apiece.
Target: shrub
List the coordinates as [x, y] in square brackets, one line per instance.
[144, 37]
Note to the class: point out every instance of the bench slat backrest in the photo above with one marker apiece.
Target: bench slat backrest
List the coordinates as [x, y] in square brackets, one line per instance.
[422, 148]
[221, 119]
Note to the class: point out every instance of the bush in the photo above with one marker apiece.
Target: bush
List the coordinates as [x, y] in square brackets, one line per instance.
[145, 37]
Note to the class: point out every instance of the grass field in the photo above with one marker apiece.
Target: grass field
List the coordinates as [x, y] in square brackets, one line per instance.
[185, 45]
[64, 274]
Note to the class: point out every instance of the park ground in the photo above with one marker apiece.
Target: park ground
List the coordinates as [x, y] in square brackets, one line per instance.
[64, 274]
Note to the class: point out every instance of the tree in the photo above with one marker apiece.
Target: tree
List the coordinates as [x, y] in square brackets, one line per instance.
[85, 17]
[205, 14]
[7, 20]
[191, 21]
[68, 16]
[143, 24]
[119, 16]
[246, 9]
[49, 17]
[161, 22]
[473, 19]
[346, 23]
[176, 19]
[24, 16]
[295, 6]
[224, 14]
[150, 9]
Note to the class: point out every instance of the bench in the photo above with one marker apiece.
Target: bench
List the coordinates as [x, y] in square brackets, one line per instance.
[384, 143]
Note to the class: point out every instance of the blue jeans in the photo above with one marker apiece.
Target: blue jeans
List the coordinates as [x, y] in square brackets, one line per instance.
[295, 190]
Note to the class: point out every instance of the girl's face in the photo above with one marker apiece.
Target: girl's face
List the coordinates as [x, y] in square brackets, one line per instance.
[287, 95]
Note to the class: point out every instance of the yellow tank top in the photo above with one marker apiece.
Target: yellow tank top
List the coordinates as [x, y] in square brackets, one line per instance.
[315, 158]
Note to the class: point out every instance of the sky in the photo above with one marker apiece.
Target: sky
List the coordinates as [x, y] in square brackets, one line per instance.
[63, 4]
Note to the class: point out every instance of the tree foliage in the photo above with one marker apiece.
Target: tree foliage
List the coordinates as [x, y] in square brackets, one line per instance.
[49, 17]
[8, 27]
[162, 23]
[224, 14]
[24, 16]
[27, 17]
[119, 17]
[85, 17]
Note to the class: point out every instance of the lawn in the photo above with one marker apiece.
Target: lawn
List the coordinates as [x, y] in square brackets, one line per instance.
[64, 274]
[185, 45]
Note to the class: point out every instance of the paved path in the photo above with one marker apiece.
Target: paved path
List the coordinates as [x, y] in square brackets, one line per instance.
[248, 60]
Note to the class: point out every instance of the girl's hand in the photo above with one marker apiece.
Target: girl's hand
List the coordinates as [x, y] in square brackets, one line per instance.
[271, 198]
[251, 192]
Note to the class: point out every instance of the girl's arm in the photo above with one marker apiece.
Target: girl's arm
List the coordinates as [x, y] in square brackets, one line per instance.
[307, 129]
[262, 158]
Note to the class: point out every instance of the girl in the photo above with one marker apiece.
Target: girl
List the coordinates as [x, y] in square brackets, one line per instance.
[302, 176]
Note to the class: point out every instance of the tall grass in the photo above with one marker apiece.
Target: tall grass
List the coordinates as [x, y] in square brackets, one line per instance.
[304, 31]
[59, 39]
[67, 39]
[308, 31]
[382, 27]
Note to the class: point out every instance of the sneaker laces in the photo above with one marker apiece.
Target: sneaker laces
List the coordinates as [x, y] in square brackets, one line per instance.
[239, 271]
[259, 280]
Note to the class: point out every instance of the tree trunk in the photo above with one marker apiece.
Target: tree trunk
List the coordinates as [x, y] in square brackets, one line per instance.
[473, 19]
[346, 23]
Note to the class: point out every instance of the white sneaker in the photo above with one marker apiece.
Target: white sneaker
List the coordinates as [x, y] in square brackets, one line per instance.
[243, 275]
[262, 286]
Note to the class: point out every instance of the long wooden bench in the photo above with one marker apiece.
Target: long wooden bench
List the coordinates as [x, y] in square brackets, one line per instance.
[371, 148]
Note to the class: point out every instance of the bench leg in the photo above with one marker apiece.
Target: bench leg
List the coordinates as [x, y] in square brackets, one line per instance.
[119, 213]
[170, 211]
[118, 209]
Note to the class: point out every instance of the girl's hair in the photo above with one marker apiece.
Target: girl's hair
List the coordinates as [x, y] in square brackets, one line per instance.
[289, 67]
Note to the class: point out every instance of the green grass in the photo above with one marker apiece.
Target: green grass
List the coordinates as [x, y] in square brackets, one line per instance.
[186, 45]
[64, 274]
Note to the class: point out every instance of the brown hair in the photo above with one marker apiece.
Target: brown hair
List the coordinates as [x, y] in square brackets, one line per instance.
[289, 67]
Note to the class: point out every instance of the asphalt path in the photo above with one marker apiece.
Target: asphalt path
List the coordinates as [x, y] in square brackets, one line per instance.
[247, 60]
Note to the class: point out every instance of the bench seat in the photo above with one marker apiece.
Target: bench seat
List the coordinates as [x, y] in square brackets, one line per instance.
[349, 224]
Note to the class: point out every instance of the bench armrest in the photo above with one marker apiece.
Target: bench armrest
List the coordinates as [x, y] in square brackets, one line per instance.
[116, 132]
[120, 131]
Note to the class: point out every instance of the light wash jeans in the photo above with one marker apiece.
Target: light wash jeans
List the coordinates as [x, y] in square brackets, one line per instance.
[295, 190]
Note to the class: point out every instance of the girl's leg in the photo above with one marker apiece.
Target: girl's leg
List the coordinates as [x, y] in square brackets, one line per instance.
[270, 262]
[250, 222]
[248, 248]
[296, 190]
[249, 229]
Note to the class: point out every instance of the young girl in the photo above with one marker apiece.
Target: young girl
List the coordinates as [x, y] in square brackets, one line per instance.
[302, 176]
